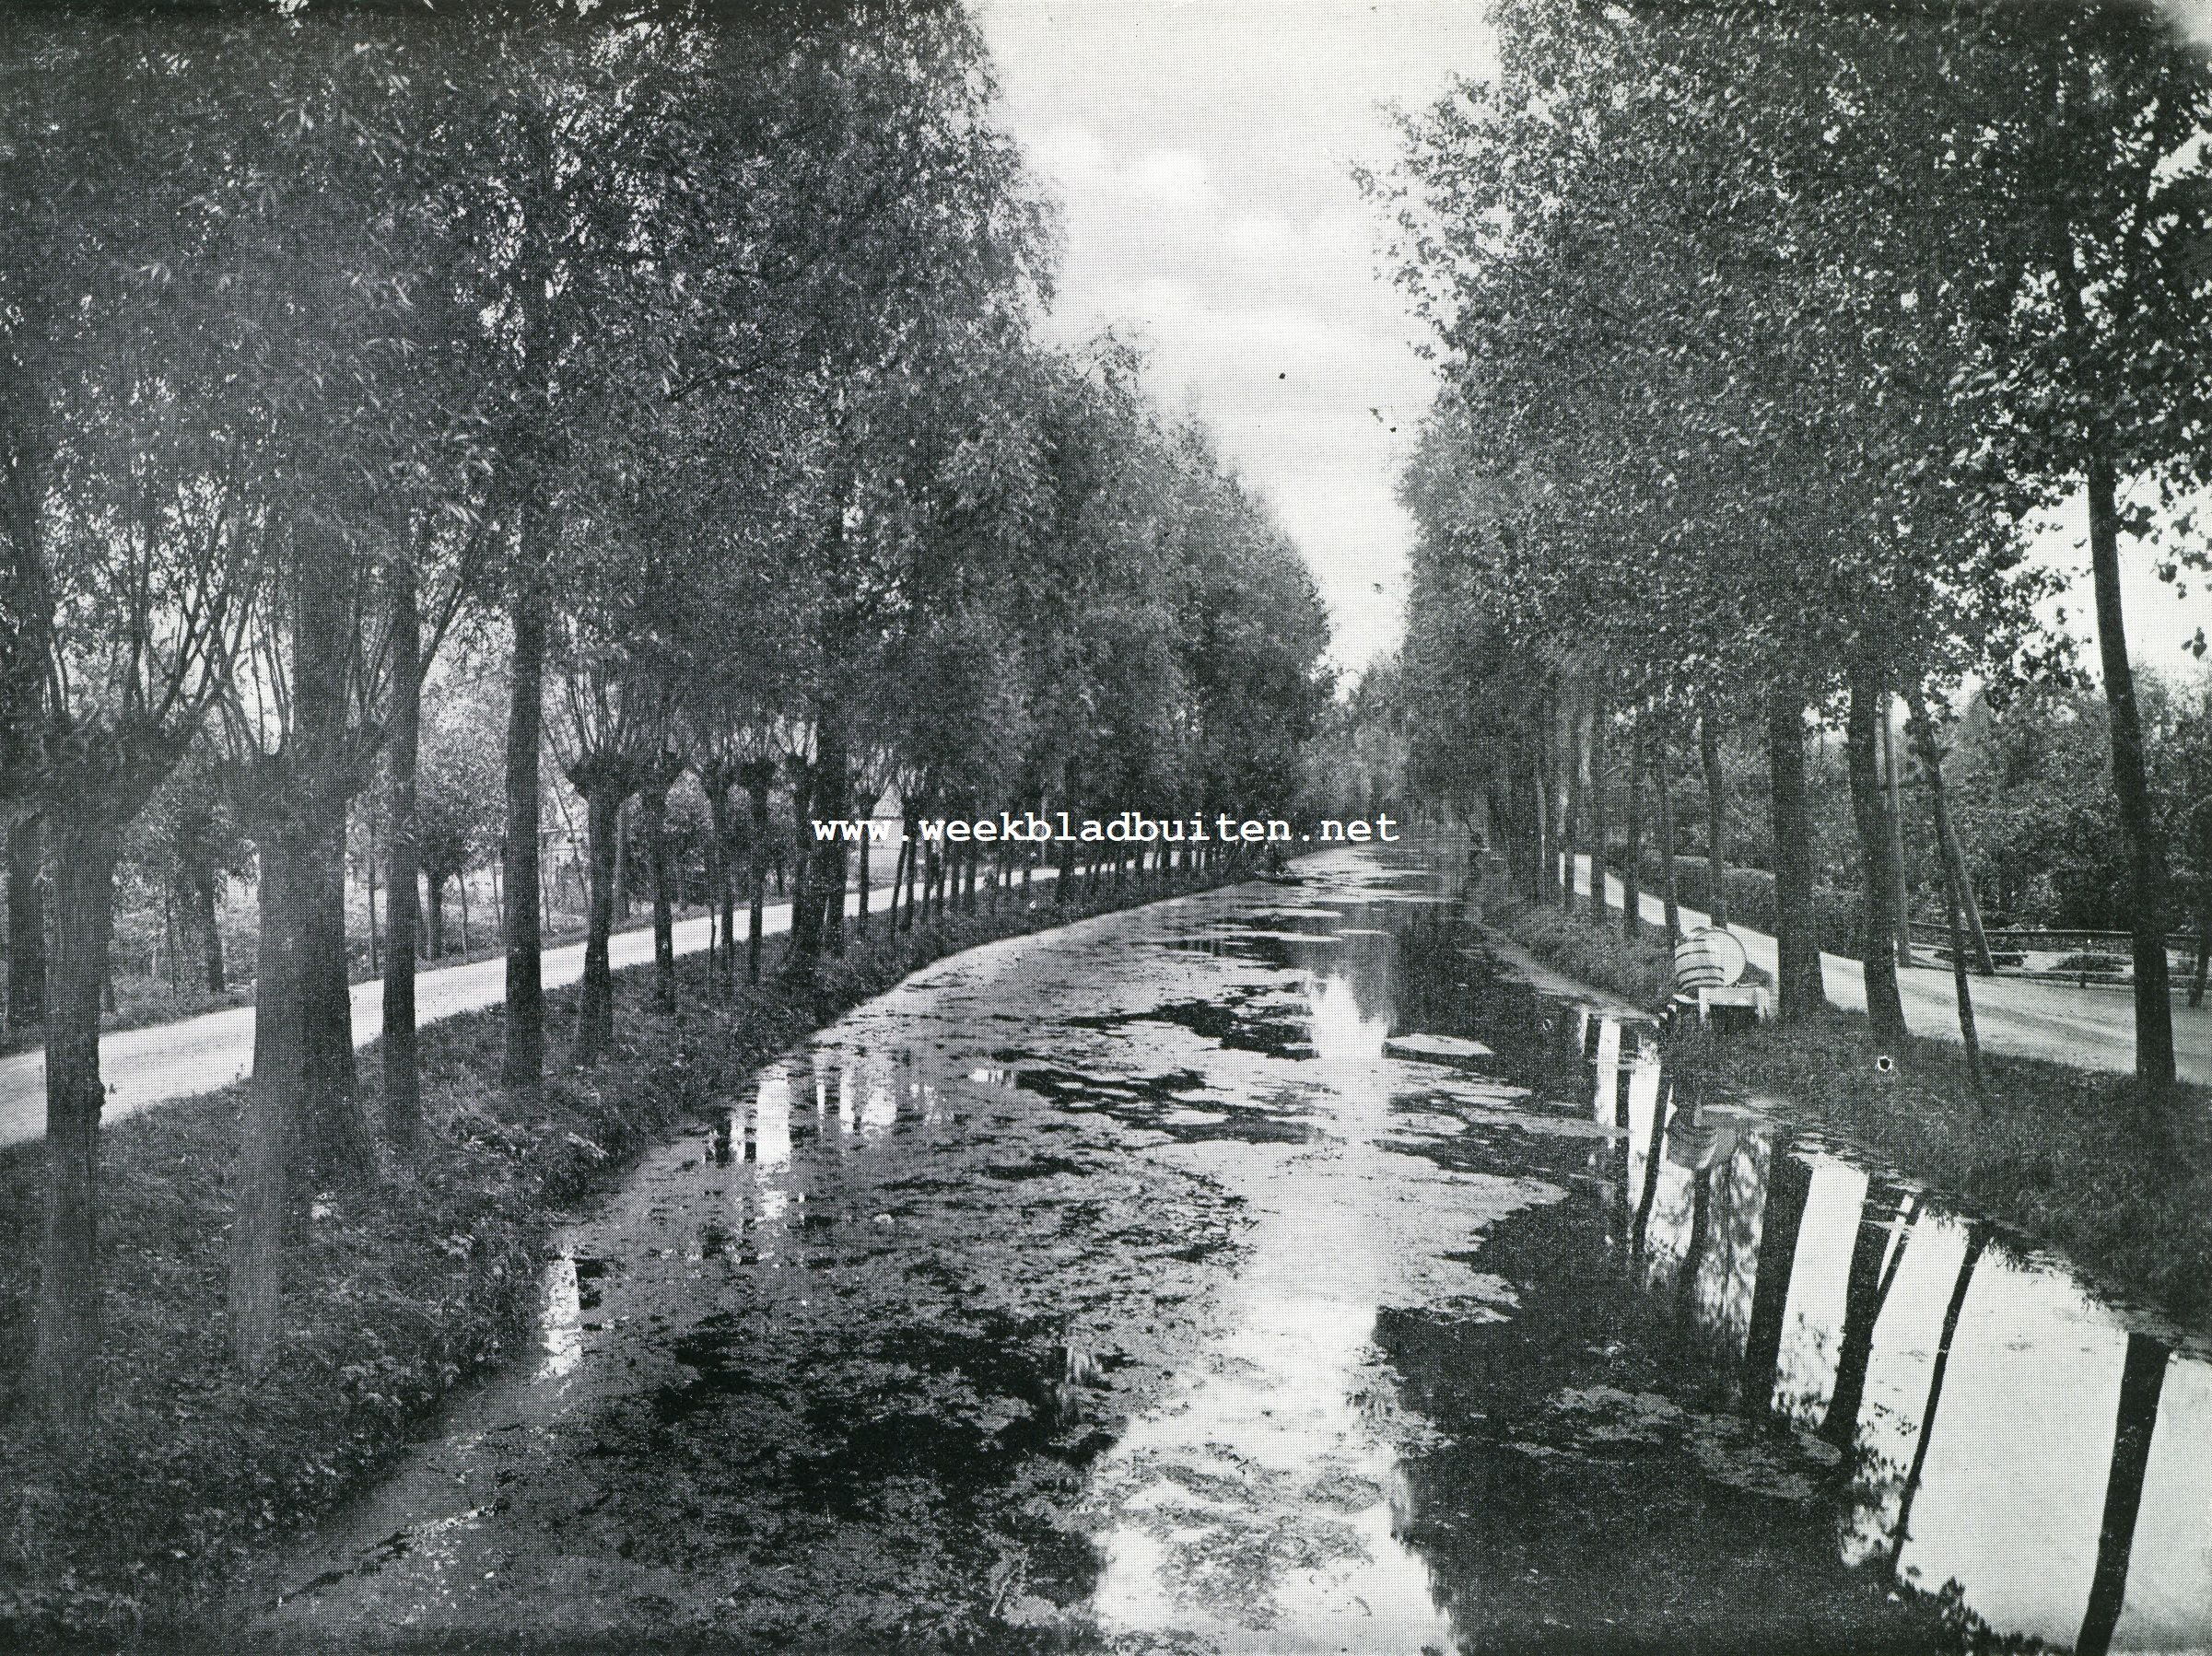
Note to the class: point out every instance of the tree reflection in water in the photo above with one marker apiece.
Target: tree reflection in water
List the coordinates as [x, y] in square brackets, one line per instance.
[1985, 1427]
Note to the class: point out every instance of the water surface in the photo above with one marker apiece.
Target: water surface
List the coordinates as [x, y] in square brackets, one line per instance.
[1275, 1270]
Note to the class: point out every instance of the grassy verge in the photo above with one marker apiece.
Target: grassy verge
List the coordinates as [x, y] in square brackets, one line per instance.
[1588, 951]
[2082, 1160]
[389, 1306]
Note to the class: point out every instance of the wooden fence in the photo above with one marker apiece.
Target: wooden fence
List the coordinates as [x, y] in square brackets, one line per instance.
[1934, 933]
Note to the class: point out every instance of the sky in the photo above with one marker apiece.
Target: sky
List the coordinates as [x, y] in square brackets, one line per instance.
[1202, 152]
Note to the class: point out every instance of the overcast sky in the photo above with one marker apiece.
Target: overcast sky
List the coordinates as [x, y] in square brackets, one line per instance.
[1202, 151]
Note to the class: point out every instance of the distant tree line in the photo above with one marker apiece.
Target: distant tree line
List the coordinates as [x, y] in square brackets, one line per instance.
[673, 366]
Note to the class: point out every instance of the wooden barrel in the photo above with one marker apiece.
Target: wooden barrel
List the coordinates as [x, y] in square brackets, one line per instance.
[1708, 957]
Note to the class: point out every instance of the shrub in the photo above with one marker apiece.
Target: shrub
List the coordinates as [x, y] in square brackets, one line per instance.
[1752, 899]
[2110, 965]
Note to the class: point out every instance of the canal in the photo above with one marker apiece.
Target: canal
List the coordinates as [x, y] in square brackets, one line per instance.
[1279, 1269]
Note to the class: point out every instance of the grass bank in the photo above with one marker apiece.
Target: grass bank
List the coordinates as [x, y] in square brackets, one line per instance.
[391, 1306]
[2078, 1160]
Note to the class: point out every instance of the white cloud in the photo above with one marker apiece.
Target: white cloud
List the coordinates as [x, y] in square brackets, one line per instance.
[1173, 178]
[1205, 149]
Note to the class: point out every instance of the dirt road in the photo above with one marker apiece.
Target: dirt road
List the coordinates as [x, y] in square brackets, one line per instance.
[165, 1061]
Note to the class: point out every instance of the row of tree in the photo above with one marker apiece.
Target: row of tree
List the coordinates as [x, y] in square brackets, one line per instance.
[1765, 335]
[678, 359]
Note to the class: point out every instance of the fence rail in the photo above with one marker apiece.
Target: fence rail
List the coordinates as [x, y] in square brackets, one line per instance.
[2100, 942]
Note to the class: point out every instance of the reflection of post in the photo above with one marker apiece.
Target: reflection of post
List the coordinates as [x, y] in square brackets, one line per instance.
[1977, 1239]
[2142, 1378]
[1660, 1097]
[1617, 1170]
[1701, 1231]
[1863, 1292]
[1788, 1184]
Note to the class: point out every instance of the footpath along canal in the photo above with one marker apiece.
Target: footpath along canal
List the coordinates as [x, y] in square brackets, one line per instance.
[1276, 1269]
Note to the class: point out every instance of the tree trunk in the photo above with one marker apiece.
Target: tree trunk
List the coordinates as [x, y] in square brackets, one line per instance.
[914, 861]
[1977, 1242]
[898, 878]
[1949, 848]
[860, 923]
[721, 887]
[340, 1151]
[1632, 867]
[2142, 1378]
[435, 919]
[833, 800]
[2130, 784]
[1781, 1221]
[653, 816]
[279, 1073]
[370, 872]
[595, 996]
[207, 923]
[2204, 912]
[1063, 891]
[756, 874]
[806, 915]
[1931, 764]
[26, 928]
[1716, 823]
[1902, 916]
[1570, 824]
[522, 1064]
[403, 1083]
[1862, 1294]
[303, 1130]
[1869, 810]
[1597, 813]
[1801, 993]
[1541, 869]
[622, 862]
[65, 1376]
[1667, 894]
[1961, 988]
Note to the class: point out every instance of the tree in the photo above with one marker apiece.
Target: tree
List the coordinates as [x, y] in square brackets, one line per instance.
[1675, 291]
[191, 844]
[134, 548]
[2082, 129]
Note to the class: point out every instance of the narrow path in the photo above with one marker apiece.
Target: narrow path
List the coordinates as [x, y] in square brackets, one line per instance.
[2094, 1028]
[148, 1067]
